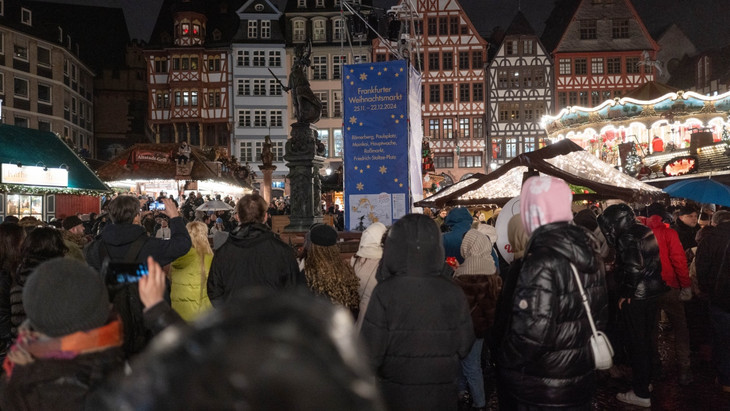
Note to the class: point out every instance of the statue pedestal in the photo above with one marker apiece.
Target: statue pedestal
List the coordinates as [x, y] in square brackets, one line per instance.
[266, 170]
[305, 186]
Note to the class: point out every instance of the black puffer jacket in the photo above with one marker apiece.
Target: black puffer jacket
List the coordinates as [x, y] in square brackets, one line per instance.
[638, 265]
[545, 357]
[710, 256]
[417, 325]
[252, 255]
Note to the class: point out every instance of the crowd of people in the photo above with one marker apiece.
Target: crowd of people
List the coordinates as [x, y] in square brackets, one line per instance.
[149, 307]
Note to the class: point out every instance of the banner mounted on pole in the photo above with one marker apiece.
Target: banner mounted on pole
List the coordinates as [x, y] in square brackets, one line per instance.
[375, 126]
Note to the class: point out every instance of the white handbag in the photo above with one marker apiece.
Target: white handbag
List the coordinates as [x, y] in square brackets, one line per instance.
[600, 345]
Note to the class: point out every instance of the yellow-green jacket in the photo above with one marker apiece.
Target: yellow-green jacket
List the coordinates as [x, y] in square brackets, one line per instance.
[188, 292]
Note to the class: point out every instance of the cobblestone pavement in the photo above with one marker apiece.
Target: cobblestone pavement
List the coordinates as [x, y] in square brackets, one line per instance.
[703, 394]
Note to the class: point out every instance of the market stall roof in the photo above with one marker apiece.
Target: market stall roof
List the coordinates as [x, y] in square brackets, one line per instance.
[711, 160]
[565, 160]
[157, 162]
[651, 90]
[26, 146]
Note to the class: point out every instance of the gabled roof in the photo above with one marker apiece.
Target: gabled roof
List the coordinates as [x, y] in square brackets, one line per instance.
[564, 159]
[557, 22]
[33, 147]
[651, 90]
[519, 26]
[221, 17]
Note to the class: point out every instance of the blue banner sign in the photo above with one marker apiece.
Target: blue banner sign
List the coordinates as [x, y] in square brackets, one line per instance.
[376, 143]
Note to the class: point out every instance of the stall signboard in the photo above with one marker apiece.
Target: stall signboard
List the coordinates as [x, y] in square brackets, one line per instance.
[33, 175]
[376, 145]
[151, 156]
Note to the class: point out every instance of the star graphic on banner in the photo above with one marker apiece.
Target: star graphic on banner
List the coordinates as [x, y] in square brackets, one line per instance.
[401, 69]
[348, 128]
[385, 69]
[379, 73]
[372, 68]
[397, 121]
[352, 82]
[363, 76]
[353, 70]
[353, 120]
[396, 74]
[383, 169]
[355, 167]
[401, 116]
[400, 185]
[360, 186]
[392, 116]
[361, 170]
[360, 123]
[395, 180]
[347, 76]
[368, 166]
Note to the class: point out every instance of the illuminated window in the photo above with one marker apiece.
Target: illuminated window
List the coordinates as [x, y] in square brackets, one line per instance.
[464, 128]
[528, 47]
[433, 128]
[185, 27]
[597, 65]
[448, 128]
[319, 32]
[299, 30]
[564, 67]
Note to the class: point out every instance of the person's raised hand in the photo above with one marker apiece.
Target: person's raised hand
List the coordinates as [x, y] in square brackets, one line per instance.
[170, 208]
[152, 286]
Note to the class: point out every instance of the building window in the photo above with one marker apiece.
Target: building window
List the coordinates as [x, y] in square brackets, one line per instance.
[44, 93]
[443, 161]
[448, 59]
[464, 92]
[502, 79]
[339, 143]
[562, 100]
[632, 65]
[337, 62]
[245, 151]
[581, 66]
[2, 7]
[214, 63]
[338, 29]
[514, 79]
[244, 87]
[564, 67]
[44, 57]
[276, 118]
[583, 96]
[242, 58]
[244, 118]
[510, 47]
[259, 118]
[20, 52]
[178, 99]
[433, 128]
[478, 92]
[477, 60]
[448, 128]
[434, 93]
[20, 89]
[26, 16]
[160, 65]
[432, 22]
[595, 98]
[214, 99]
[504, 111]
[265, 29]
[319, 67]
[463, 60]
[336, 104]
[597, 65]
[299, 29]
[478, 125]
[514, 111]
[511, 147]
[443, 26]
[620, 29]
[528, 47]
[433, 61]
[301, 4]
[448, 93]
[259, 87]
[464, 128]
[275, 59]
[324, 137]
[613, 65]
[573, 98]
[322, 95]
[318, 30]
[44, 125]
[253, 29]
[470, 160]
[275, 88]
[259, 58]
[588, 30]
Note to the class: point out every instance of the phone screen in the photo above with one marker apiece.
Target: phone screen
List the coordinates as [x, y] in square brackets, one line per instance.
[125, 273]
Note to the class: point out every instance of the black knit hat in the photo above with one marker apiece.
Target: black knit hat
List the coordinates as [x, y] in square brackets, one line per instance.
[71, 222]
[323, 235]
[656, 209]
[63, 296]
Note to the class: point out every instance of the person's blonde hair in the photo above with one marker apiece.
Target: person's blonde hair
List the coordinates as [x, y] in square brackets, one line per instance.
[328, 274]
[199, 236]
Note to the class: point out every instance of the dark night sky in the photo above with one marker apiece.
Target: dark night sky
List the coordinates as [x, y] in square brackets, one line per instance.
[703, 21]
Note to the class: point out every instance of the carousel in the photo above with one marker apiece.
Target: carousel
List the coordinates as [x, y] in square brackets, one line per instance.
[654, 133]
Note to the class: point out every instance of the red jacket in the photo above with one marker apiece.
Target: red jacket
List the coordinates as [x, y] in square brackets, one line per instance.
[674, 261]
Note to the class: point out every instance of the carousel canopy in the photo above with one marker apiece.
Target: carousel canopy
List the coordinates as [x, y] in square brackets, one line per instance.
[157, 162]
[563, 159]
[29, 147]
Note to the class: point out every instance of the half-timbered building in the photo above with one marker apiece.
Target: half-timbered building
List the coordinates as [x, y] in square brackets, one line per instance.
[189, 73]
[601, 50]
[259, 70]
[519, 87]
[445, 46]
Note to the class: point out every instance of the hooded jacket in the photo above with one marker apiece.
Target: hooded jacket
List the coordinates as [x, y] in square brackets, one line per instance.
[478, 277]
[638, 267]
[417, 325]
[251, 256]
[674, 262]
[713, 262]
[459, 222]
[365, 263]
[545, 357]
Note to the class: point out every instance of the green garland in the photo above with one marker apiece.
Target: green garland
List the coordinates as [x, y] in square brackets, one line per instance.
[18, 188]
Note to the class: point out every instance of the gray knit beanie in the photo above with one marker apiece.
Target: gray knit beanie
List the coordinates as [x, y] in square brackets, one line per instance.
[63, 296]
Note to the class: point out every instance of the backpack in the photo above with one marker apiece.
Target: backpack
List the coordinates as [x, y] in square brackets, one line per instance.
[126, 301]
